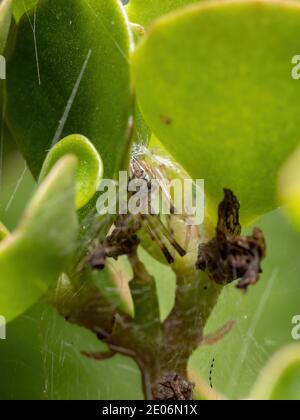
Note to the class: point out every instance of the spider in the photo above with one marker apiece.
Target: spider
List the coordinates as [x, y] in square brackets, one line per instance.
[124, 239]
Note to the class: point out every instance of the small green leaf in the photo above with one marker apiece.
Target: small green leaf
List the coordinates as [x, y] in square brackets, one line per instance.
[89, 169]
[214, 85]
[34, 255]
[144, 14]
[5, 18]
[70, 74]
[289, 187]
[3, 232]
[20, 7]
[280, 380]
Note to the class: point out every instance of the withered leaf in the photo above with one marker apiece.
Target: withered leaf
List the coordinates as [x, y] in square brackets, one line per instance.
[122, 241]
[230, 256]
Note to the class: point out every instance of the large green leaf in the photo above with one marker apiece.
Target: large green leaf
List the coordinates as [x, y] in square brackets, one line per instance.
[35, 254]
[70, 74]
[5, 18]
[144, 13]
[214, 84]
[280, 380]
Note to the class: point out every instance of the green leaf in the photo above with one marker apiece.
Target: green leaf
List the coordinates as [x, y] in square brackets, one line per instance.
[3, 232]
[214, 85]
[89, 169]
[144, 14]
[71, 61]
[5, 18]
[20, 7]
[36, 253]
[44, 353]
[280, 380]
[289, 187]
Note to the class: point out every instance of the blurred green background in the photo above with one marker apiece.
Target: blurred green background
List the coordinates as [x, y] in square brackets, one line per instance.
[41, 357]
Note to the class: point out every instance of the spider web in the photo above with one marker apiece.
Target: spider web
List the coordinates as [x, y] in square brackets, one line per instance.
[41, 357]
